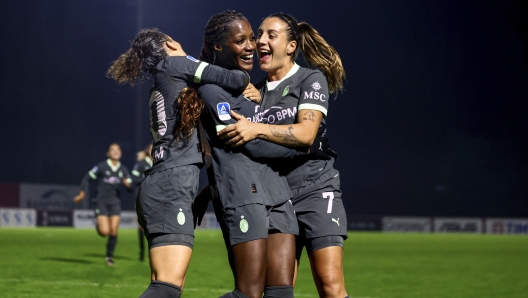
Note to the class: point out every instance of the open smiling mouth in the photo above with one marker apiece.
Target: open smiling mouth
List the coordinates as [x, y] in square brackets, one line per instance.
[247, 58]
[264, 55]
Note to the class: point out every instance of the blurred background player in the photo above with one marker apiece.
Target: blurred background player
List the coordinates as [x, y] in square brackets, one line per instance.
[166, 195]
[110, 176]
[144, 162]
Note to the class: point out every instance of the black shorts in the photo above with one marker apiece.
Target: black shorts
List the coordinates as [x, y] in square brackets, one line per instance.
[254, 221]
[319, 208]
[107, 208]
[164, 202]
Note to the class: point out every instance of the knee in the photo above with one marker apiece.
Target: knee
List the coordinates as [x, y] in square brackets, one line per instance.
[332, 285]
[103, 232]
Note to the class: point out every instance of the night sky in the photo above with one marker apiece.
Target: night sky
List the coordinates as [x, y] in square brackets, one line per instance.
[432, 121]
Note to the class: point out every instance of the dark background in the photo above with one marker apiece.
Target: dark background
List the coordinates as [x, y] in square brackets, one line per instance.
[432, 121]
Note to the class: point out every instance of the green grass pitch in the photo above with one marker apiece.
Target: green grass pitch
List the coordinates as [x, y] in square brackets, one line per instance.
[64, 262]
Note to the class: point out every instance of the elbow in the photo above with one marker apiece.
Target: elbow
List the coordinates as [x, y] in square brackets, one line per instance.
[307, 141]
[243, 78]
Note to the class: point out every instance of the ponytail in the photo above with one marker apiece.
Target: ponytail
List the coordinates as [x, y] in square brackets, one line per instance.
[316, 51]
[187, 108]
[145, 52]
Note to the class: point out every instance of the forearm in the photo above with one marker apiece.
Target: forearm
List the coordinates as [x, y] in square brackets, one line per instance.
[263, 149]
[295, 135]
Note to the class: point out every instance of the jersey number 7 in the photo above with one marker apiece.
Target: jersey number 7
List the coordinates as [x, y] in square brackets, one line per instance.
[330, 196]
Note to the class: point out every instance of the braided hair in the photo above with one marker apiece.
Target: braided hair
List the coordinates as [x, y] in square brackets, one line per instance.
[216, 32]
[316, 51]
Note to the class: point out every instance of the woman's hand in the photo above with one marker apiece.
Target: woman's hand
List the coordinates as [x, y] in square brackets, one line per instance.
[252, 93]
[78, 198]
[239, 133]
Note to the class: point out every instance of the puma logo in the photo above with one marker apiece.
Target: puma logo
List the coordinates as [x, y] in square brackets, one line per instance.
[336, 221]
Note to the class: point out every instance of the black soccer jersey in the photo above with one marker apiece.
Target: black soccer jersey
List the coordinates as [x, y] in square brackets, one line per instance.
[172, 75]
[109, 179]
[300, 89]
[240, 178]
[139, 169]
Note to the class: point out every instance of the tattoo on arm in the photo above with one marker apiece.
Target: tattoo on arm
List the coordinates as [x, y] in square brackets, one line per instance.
[309, 115]
[286, 135]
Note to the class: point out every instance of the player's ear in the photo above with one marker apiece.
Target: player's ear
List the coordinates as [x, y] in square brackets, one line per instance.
[171, 44]
[292, 45]
[217, 47]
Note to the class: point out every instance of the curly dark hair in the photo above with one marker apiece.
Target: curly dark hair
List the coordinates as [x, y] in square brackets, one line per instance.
[145, 52]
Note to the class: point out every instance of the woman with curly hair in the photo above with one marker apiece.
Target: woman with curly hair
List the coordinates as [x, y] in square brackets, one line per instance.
[165, 198]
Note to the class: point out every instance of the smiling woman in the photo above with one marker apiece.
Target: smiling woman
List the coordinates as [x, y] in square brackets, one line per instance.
[301, 96]
[257, 220]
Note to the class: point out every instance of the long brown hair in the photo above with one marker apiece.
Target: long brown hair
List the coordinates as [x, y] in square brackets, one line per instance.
[190, 107]
[146, 51]
[315, 49]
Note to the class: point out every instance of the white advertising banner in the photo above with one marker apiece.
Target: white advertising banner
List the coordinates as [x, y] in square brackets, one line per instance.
[128, 220]
[406, 224]
[18, 217]
[517, 226]
[85, 219]
[50, 196]
[458, 225]
[209, 222]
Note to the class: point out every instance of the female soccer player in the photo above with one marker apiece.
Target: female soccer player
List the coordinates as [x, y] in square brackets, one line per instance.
[110, 174]
[166, 194]
[294, 105]
[253, 208]
[144, 162]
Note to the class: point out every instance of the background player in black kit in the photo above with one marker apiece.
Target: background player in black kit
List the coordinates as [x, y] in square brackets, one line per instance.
[144, 162]
[298, 98]
[166, 195]
[110, 176]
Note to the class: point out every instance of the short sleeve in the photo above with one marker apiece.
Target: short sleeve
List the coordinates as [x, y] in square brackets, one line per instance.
[95, 171]
[218, 103]
[314, 93]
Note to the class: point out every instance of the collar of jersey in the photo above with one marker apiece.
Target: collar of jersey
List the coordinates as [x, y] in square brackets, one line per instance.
[290, 73]
[114, 168]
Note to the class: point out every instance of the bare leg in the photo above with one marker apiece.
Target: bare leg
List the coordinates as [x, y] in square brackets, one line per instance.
[250, 267]
[103, 225]
[296, 270]
[169, 263]
[327, 271]
[281, 260]
[114, 224]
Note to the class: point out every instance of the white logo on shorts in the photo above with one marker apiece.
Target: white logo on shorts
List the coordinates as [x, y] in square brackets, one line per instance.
[244, 226]
[336, 221]
[181, 217]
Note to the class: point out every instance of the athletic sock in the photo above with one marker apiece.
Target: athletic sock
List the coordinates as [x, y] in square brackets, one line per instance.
[110, 246]
[141, 236]
[160, 289]
[278, 292]
[235, 294]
